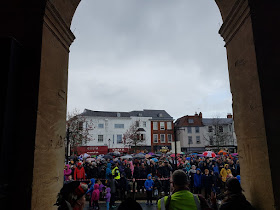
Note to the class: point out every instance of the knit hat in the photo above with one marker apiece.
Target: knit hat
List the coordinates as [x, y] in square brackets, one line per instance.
[71, 192]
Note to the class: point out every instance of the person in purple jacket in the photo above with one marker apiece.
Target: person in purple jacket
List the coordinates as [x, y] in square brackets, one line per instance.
[67, 172]
[108, 197]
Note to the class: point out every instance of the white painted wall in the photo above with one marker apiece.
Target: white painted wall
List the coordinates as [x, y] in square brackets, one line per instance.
[110, 132]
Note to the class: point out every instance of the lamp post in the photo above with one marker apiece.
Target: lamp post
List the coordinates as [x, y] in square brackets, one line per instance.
[109, 140]
[67, 144]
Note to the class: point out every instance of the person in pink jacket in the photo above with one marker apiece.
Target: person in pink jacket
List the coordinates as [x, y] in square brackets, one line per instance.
[67, 172]
[95, 197]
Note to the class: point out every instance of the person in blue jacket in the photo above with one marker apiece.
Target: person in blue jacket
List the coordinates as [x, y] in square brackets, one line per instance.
[108, 170]
[149, 184]
[197, 181]
[90, 189]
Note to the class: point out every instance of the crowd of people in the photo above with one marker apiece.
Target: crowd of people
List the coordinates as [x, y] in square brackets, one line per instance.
[116, 178]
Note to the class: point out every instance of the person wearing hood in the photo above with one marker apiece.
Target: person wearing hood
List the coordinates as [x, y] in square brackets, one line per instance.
[197, 182]
[108, 170]
[95, 197]
[107, 197]
[234, 198]
[224, 173]
[90, 189]
[192, 172]
[67, 172]
[79, 173]
[188, 167]
[239, 178]
[149, 183]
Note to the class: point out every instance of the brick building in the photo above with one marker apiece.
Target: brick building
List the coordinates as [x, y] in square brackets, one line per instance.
[162, 130]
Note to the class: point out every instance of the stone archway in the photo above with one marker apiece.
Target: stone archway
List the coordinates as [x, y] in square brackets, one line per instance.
[42, 31]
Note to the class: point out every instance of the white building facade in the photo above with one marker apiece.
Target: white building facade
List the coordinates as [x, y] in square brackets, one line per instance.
[108, 128]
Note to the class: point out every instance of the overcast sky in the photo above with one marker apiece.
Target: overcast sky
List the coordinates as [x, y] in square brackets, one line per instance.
[149, 54]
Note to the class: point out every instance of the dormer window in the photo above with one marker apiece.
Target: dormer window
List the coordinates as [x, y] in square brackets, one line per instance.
[139, 114]
[190, 121]
[118, 114]
[160, 114]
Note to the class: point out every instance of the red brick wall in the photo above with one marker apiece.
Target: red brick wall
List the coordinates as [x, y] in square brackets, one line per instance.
[159, 132]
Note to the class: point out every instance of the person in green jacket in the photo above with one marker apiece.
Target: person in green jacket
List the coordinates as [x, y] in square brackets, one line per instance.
[181, 197]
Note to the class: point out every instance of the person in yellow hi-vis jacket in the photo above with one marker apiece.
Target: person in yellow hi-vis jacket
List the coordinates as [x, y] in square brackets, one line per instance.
[181, 197]
[116, 172]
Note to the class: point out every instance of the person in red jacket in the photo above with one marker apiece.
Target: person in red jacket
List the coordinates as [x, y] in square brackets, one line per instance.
[79, 173]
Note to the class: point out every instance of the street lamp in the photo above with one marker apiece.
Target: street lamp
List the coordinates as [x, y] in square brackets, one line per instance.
[109, 140]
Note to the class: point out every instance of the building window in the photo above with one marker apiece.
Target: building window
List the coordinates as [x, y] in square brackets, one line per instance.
[197, 129]
[189, 129]
[169, 126]
[190, 139]
[100, 138]
[221, 129]
[198, 139]
[155, 136]
[100, 125]
[190, 120]
[142, 136]
[144, 124]
[162, 138]
[169, 136]
[119, 139]
[162, 127]
[155, 125]
[211, 140]
[137, 123]
[119, 125]
[210, 129]
[80, 126]
[118, 114]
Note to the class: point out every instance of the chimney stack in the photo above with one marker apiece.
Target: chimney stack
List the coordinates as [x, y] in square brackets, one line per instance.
[229, 115]
[200, 114]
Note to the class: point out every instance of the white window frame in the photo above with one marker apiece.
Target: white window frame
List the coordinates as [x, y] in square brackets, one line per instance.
[99, 125]
[190, 141]
[162, 141]
[169, 137]
[162, 125]
[189, 129]
[155, 125]
[100, 138]
[155, 140]
[118, 139]
[118, 126]
[169, 125]
[197, 138]
[144, 124]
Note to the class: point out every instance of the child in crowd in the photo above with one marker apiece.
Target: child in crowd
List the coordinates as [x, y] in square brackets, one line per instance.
[90, 190]
[107, 197]
[133, 188]
[197, 182]
[149, 183]
[95, 197]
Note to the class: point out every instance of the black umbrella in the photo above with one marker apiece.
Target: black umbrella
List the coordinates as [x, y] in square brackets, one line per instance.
[108, 157]
[114, 154]
[139, 156]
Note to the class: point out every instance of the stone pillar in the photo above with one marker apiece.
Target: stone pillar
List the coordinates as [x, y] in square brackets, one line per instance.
[252, 130]
[49, 152]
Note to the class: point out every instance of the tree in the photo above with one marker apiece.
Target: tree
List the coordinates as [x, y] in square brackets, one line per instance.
[133, 136]
[77, 128]
[216, 135]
